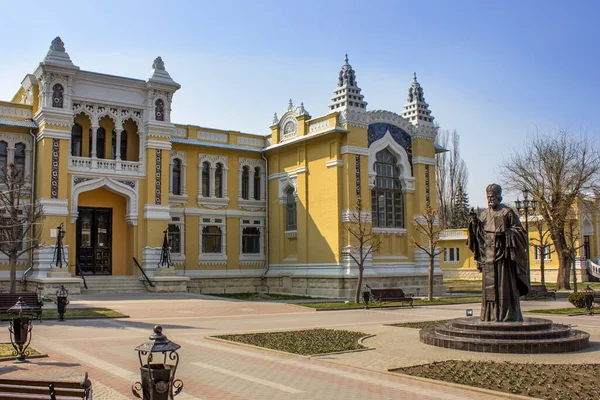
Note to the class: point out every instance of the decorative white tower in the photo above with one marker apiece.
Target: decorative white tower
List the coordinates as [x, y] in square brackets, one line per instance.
[416, 110]
[347, 94]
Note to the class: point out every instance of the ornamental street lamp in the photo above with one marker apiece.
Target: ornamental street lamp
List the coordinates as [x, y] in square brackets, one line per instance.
[59, 250]
[526, 206]
[158, 378]
[165, 253]
[61, 302]
[20, 328]
[588, 300]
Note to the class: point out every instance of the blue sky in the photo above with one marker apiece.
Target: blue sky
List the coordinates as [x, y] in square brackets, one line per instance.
[496, 71]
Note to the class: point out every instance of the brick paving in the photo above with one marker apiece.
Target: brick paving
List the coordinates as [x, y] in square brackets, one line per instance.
[214, 370]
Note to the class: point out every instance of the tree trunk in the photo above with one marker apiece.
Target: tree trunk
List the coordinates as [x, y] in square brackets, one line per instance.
[564, 258]
[573, 259]
[430, 279]
[13, 272]
[542, 265]
[359, 285]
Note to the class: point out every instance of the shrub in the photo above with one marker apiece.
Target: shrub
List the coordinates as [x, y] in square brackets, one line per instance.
[577, 299]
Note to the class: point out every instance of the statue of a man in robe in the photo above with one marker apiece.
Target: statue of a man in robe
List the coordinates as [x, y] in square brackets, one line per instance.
[499, 244]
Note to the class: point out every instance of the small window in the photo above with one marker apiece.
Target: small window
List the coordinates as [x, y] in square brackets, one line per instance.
[211, 239]
[245, 183]
[176, 176]
[251, 241]
[219, 180]
[57, 96]
[3, 154]
[159, 110]
[76, 135]
[290, 210]
[205, 179]
[257, 183]
[175, 238]
[20, 158]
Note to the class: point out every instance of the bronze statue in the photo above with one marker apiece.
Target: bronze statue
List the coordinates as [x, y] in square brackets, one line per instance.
[499, 244]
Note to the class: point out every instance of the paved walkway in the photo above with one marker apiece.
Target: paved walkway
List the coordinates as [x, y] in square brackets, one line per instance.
[214, 370]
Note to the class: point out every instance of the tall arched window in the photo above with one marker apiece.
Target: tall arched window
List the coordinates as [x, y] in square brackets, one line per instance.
[100, 142]
[20, 157]
[3, 155]
[76, 135]
[159, 110]
[245, 183]
[205, 179]
[387, 199]
[290, 210]
[219, 180]
[176, 176]
[257, 183]
[57, 96]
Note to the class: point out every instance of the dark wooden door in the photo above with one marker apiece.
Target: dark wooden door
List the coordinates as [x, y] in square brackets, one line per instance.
[94, 241]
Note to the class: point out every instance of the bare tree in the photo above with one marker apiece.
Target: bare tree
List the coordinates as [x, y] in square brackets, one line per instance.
[451, 174]
[428, 228]
[18, 217]
[544, 243]
[573, 240]
[366, 242]
[556, 168]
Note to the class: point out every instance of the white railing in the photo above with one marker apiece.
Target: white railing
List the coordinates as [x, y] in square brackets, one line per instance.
[594, 269]
[101, 165]
[453, 234]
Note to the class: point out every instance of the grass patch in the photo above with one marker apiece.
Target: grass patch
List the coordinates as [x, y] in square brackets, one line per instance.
[6, 350]
[263, 296]
[545, 381]
[461, 286]
[74, 313]
[561, 311]
[420, 324]
[307, 342]
[416, 302]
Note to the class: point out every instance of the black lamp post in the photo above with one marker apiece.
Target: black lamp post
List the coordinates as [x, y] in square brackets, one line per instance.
[59, 250]
[588, 300]
[526, 206]
[61, 302]
[20, 328]
[158, 378]
[165, 252]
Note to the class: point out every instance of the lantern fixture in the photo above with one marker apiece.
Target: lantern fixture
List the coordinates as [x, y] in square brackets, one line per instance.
[62, 299]
[157, 375]
[20, 328]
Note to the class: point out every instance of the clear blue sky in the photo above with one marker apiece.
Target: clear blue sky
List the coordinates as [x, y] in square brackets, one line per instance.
[496, 71]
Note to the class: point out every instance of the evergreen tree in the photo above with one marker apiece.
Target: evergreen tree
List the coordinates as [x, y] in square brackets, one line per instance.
[460, 209]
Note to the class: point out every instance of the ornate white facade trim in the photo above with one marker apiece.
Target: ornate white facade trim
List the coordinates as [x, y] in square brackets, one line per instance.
[210, 199]
[11, 140]
[212, 136]
[388, 142]
[291, 234]
[15, 112]
[182, 157]
[364, 119]
[318, 126]
[86, 184]
[248, 141]
[289, 128]
[157, 212]
[252, 164]
[390, 231]
[423, 160]
[363, 151]
[54, 207]
[334, 163]
[253, 258]
[351, 216]
[180, 132]
[219, 221]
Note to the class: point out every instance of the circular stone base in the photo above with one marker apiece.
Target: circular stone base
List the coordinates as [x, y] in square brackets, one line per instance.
[532, 336]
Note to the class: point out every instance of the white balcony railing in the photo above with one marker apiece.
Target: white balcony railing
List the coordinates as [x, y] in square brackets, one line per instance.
[453, 234]
[101, 165]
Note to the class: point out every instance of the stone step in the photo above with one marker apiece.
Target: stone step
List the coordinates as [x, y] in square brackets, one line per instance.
[111, 284]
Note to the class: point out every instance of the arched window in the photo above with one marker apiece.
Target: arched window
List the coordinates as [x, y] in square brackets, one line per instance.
[124, 145]
[176, 176]
[245, 183]
[219, 180]
[3, 155]
[100, 142]
[387, 199]
[76, 134]
[20, 157]
[205, 179]
[211, 239]
[159, 110]
[290, 210]
[257, 183]
[57, 96]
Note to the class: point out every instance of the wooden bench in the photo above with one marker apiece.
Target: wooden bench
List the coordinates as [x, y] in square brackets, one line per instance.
[47, 390]
[7, 300]
[391, 294]
[536, 291]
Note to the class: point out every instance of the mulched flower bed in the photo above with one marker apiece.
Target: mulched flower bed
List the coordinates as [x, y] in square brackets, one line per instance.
[420, 324]
[544, 381]
[82, 313]
[307, 342]
[6, 350]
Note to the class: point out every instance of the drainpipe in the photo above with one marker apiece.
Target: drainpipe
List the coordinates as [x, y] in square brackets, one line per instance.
[31, 232]
[264, 275]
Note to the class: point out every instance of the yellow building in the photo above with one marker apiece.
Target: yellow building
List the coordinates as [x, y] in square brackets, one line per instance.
[243, 211]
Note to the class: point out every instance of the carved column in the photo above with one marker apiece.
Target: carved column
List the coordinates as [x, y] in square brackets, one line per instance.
[251, 184]
[240, 172]
[11, 154]
[263, 185]
[224, 178]
[118, 132]
[212, 180]
[183, 178]
[94, 153]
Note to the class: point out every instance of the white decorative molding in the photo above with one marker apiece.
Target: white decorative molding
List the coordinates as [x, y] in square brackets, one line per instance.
[286, 181]
[15, 112]
[221, 222]
[252, 205]
[54, 207]
[364, 119]
[157, 144]
[11, 140]
[119, 115]
[295, 171]
[212, 136]
[289, 128]
[85, 184]
[423, 160]
[177, 218]
[452, 234]
[291, 234]
[363, 151]
[175, 200]
[210, 199]
[192, 211]
[180, 132]
[334, 163]
[214, 203]
[252, 164]
[253, 258]
[249, 141]
[157, 212]
[388, 142]
[351, 216]
[318, 126]
[390, 231]
[94, 166]
[53, 134]
[182, 157]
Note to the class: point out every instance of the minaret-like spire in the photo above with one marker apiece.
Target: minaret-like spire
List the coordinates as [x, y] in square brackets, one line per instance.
[275, 119]
[416, 110]
[346, 95]
[57, 55]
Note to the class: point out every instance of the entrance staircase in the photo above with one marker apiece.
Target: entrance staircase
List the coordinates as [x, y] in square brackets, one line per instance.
[110, 283]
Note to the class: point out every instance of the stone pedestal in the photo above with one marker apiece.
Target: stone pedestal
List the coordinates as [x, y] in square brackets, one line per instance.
[55, 272]
[168, 283]
[532, 336]
[50, 285]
